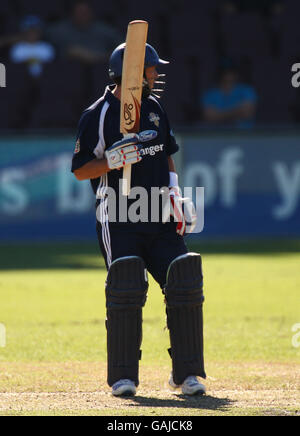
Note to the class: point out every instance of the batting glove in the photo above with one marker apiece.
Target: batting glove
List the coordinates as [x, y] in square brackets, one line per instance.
[177, 210]
[123, 152]
[182, 210]
[127, 150]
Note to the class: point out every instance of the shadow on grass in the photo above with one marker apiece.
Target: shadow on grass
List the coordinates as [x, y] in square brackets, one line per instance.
[50, 256]
[33, 256]
[205, 402]
[247, 247]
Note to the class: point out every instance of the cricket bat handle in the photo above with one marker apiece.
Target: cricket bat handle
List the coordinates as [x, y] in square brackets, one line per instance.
[126, 185]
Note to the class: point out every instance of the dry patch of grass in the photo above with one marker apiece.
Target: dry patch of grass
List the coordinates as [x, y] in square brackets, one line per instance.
[266, 388]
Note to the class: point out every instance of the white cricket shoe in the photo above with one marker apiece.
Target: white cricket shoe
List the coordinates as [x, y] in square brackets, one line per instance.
[123, 388]
[190, 386]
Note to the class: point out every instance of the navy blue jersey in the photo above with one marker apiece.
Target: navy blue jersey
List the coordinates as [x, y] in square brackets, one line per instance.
[99, 128]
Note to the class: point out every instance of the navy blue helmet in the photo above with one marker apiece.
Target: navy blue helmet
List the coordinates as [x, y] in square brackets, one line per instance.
[116, 60]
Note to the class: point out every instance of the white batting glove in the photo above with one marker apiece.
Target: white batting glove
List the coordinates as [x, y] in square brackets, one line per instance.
[177, 210]
[123, 152]
[127, 150]
[182, 210]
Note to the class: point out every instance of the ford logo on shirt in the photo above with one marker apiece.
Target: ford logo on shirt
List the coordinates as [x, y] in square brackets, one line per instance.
[147, 135]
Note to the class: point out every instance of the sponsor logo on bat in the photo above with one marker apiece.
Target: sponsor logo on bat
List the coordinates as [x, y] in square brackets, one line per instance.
[128, 113]
[131, 115]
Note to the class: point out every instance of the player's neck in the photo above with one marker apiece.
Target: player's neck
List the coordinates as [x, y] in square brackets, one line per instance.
[117, 92]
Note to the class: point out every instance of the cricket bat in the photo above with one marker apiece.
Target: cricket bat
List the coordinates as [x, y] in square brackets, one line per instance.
[131, 86]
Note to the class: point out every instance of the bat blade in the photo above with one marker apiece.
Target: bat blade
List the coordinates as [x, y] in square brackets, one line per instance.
[131, 86]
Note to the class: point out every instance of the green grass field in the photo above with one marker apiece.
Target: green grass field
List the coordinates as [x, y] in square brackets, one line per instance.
[54, 362]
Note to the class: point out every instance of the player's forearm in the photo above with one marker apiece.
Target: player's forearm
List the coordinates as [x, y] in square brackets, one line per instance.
[171, 164]
[173, 181]
[92, 170]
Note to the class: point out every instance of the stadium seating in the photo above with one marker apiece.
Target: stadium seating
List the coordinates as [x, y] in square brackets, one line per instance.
[6, 7]
[50, 10]
[158, 19]
[244, 34]
[290, 35]
[292, 7]
[7, 17]
[272, 80]
[16, 101]
[181, 96]
[99, 80]
[107, 10]
[193, 37]
[63, 91]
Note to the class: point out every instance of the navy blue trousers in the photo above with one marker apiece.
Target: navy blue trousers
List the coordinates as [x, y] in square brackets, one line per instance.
[157, 250]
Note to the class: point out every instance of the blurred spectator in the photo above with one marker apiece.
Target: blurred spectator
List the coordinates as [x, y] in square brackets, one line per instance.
[30, 49]
[230, 103]
[83, 38]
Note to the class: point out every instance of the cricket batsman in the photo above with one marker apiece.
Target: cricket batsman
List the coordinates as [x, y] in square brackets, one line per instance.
[132, 249]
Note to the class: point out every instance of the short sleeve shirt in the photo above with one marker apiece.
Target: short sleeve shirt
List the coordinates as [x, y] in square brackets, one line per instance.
[99, 128]
[240, 94]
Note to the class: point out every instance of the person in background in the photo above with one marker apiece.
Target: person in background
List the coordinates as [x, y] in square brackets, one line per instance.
[31, 50]
[82, 37]
[230, 103]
